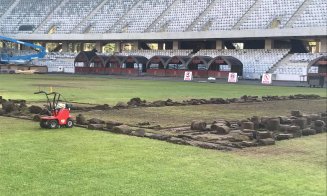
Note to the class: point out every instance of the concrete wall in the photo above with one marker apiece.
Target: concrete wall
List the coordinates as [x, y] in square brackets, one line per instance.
[289, 77]
[269, 44]
[323, 45]
[176, 44]
[233, 34]
[219, 45]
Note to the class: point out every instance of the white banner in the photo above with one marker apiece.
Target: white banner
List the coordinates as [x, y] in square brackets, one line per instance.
[232, 78]
[266, 78]
[188, 76]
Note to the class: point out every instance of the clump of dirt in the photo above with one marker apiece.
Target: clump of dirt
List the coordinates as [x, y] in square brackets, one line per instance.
[121, 105]
[35, 109]
[15, 107]
[2, 100]
[199, 125]
[136, 102]
[101, 107]
[95, 121]
[9, 106]
[111, 124]
[81, 120]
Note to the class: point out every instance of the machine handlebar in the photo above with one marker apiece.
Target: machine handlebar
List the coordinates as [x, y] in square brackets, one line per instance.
[43, 92]
[39, 92]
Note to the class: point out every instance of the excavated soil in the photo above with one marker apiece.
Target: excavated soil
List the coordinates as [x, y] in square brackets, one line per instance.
[176, 116]
[216, 123]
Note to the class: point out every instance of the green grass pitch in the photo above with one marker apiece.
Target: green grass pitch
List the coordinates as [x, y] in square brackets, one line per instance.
[77, 161]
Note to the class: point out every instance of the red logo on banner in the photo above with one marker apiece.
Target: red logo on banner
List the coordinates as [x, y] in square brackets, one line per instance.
[232, 78]
[188, 76]
[266, 79]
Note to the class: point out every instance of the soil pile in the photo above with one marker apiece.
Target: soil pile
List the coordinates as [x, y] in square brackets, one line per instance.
[227, 135]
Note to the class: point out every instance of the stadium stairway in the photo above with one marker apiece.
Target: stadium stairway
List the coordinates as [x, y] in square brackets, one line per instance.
[161, 16]
[298, 13]
[37, 30]
[205, 12]
[247, 14]
[118, 24]
[91, 14]
[9, 10]
[281, 62]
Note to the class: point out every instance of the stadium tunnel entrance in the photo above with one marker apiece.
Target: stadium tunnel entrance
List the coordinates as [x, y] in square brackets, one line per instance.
[83, 58]
[97, 64]
[98, 61]
[134, 65]
[156, 65]
[220, 66]
[318, 66]
[176, 66]
[82, 62]
[317, 72]
[199, 66]
[114, 64]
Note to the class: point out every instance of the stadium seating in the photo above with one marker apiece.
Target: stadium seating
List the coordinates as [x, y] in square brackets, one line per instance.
[150, 53]
[58, 62]
[292, 69]
[140, 18]
[15, 52]
[255, 61]
[298, 64]
[59, 55]
[305, 57]
[31, 12]
[133, 16]
[4, 5]
[268, 10]
[69, 16]
[314, 15]
[227, 11]
[107, 16]
[104, 16]
[181, 16]
[57, 66]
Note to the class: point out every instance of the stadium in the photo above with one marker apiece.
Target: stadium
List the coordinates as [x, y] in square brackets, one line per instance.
[278, 37]
[163, 97]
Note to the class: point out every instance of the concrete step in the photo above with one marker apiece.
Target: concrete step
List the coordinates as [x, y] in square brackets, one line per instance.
[118, 24]
[298, 13]
[203, 14]
[247, 14]
[161, 16]
[79, 28]
[9, 10]
[62, 3]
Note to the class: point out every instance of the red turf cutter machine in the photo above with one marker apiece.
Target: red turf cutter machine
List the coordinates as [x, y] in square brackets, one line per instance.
[59, 112]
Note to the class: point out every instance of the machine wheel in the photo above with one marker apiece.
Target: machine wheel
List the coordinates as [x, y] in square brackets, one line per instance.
[70, 123]
[43, 124]
[53, 124]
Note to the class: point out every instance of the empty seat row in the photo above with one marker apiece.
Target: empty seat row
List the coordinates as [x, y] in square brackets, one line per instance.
[255, 61]
[132, 16]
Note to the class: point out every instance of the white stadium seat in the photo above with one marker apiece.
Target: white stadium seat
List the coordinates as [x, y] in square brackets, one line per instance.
[132, 16]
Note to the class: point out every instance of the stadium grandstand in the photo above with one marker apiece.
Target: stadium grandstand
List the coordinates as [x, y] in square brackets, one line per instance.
[281, 37]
